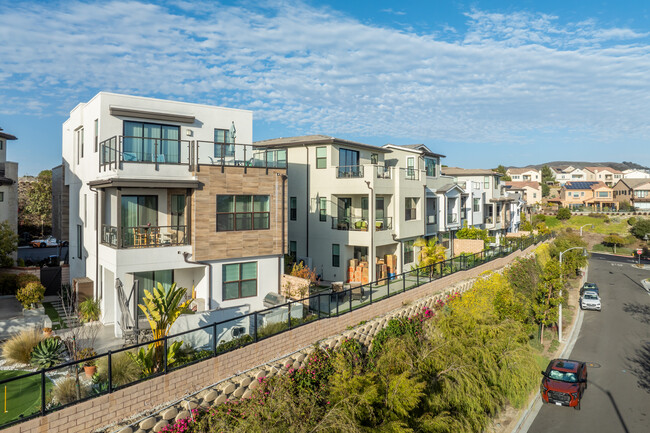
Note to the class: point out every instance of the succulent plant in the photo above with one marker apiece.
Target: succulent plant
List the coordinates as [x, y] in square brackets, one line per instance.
[47, 353]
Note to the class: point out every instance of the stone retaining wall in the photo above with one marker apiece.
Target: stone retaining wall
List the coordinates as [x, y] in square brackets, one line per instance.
[158, 392]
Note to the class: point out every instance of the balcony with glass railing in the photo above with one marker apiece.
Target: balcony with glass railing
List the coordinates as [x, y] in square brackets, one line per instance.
[349, 171]
[144, 236]
[360, 224]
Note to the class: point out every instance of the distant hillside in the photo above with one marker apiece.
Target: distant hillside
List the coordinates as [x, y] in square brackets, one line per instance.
[625, 165]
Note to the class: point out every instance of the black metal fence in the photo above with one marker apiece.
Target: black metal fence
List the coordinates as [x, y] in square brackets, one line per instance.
[214, 339]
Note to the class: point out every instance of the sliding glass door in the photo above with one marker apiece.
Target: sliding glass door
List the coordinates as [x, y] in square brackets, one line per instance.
[148, 142]
[349, 163]
[149, 280]
[139, 218]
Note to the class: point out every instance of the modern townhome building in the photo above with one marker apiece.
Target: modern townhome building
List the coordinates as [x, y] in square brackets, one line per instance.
[607, 175]
[531, 192]
[350, 200]
[634, 173]
[634, 191]
[595, 195]
[8, 184]
[524, 174]
[490, 206]
[162, 192]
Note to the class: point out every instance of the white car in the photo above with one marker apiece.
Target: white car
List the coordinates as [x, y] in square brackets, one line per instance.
[49, 241]
[590, 301]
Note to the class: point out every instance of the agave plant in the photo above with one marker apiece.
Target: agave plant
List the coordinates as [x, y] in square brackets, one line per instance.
[47, 353]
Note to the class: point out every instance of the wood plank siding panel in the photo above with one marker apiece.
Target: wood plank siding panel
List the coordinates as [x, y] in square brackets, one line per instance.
[207, 243]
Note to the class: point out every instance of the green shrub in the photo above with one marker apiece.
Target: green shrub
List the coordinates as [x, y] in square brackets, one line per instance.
[47, 353]
[65, 391]
[8, 284]
[89, 310]
[30, 294]
[641, 228]
[631, 221]
[20, 263]
[123, 369]
[564, 213]
[18, 349]
[25, 278]
[234, 344]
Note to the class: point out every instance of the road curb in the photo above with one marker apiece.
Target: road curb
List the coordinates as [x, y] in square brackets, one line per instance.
[535, 405]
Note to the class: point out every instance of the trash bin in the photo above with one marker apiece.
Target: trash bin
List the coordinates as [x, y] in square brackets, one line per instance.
[53, 260]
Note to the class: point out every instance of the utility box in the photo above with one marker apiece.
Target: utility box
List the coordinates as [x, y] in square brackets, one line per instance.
[83, 288]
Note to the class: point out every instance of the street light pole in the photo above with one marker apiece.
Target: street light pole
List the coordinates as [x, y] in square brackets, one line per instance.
[592, 227]
[559, 324]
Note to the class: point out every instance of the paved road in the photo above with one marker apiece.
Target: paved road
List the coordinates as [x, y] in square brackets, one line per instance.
[38, 254]
[617, 339]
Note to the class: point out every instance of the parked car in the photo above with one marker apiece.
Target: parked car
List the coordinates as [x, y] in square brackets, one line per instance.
[590, 301]
[564, 382]
[49, 241]
[589, 286]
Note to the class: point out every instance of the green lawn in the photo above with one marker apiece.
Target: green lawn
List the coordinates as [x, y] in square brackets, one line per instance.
[619, 250]
[53, 315]
[616, 225]
[23, 397]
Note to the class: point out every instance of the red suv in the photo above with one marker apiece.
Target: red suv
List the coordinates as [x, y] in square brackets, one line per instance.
[564, 382]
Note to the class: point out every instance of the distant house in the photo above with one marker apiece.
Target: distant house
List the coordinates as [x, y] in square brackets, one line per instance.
[596, 195]
[604, 174]
[634, 191]
[524, 174]
[8, 184]
[564, 174]
[634, 173]
[531, 192]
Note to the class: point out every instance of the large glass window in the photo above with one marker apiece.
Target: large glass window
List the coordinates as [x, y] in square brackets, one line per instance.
[477, 204]
[349, 163]
[408, 251]
[321, 157]
[410, 167]
[430, 166]
[322, 211]
[150, 142]
[364, 208]
[178, 210]
[293, 208]
[239, 280]
[410, 208]
[148, 280]
[223, 143]
[486, 182]
[336, 255]
[243, 212]
[379, 209]
[374, 158]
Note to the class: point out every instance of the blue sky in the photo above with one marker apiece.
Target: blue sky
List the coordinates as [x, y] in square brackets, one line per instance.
[483, 82]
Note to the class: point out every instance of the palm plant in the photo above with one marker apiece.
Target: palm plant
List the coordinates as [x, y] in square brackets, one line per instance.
[162, 308]
[47, 353]
[431, 252]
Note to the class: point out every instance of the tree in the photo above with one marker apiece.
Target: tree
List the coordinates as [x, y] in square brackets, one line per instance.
[547, 174]
[614, 241]
[547, 296]
[8, 244]
[564, 213]
[501, 169]
[431, 252]
[640, 228]
[40, 198]
[473, 233]
[546, 190]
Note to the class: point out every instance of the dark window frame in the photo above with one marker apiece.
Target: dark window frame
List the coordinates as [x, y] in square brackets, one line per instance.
[227, 144]
[293, 249]
[322, 209]
[374, 158]
[239, 281]
[336, 258]
[143, 138]
[235, 214]
[321, 159]
[409, 253]
[410, 213]
[293, 208]
[476, 205]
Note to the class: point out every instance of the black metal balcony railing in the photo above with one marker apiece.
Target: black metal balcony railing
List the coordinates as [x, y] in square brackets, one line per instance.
[144, 236]
[240, 155]
[384, 224]
[411, 174]
[349, 171]
[117, 150]
[383, 172]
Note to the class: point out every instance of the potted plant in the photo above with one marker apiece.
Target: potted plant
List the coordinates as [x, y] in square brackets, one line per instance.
[90, 365]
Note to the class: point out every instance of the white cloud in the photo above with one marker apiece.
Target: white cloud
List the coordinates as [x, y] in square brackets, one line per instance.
[320, 71]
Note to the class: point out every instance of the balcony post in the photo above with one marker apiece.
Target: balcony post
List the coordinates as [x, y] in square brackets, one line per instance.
[119, 218]
[155, 153]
